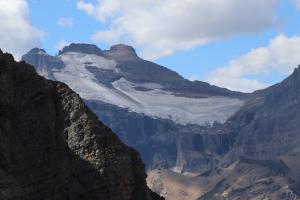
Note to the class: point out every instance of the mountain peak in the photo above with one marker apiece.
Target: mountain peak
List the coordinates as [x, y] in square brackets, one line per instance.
[1, 52]
[122, 47]
[295, 76]
[121, 52]
[37, 51]
[82, 48]
[297, 69]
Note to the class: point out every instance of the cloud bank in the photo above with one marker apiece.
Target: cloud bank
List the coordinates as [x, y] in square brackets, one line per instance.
[280, 56]
[160, 28]
[16, 32]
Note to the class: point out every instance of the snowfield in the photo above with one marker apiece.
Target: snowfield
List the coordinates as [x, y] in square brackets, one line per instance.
[183, 110]
[154, 102]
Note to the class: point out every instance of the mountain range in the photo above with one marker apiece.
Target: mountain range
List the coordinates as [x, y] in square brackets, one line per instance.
[198, 141]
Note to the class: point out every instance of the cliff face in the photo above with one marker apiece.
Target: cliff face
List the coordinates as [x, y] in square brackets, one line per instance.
[264, 160]
[268, 126]
[53, 147]
[164, 144]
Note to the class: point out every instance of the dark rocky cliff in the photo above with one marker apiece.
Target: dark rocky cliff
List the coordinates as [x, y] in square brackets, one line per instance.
[53, 147]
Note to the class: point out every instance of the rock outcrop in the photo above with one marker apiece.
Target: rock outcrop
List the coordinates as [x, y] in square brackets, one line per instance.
[53, 147]
[121, 52]
[82, 48]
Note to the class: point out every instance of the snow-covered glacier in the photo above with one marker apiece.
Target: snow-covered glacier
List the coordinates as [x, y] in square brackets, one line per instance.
[153, 101]
[146, 97]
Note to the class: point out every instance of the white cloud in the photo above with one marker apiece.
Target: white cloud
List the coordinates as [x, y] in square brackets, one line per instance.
[86, 7]
[280, 56]
[61, 44]
[161, 27]
[16, 32]
[66, 22]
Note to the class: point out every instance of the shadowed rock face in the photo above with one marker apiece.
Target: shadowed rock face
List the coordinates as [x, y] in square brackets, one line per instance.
[162, 143]
[53, 147]
[264, 159]
[268, 126]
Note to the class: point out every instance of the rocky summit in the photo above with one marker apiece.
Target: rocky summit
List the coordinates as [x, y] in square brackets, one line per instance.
[82, 48]
[53, 147]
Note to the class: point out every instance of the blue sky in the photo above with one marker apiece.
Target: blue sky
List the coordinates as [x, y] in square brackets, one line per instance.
[206, 58]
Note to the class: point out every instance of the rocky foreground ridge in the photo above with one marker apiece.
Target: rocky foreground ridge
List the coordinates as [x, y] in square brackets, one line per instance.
[53, 147]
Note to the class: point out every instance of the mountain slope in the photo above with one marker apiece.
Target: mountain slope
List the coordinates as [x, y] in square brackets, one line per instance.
[53, 147]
